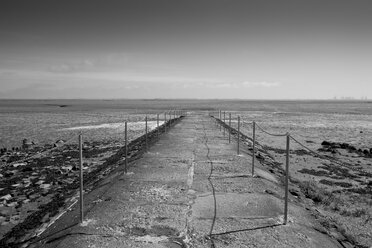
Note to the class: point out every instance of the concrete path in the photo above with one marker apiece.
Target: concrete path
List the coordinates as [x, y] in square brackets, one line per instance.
[189, 185]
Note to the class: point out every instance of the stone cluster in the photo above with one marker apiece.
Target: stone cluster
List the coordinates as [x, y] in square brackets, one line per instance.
[332, 146]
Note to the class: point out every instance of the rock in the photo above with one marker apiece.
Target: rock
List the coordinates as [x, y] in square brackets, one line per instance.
[12, 204]
[334, 151]
[33, 196]
[45, 186]
[66, 168]
[294, 192]
[59, 143]
[27, 168]
[19, 164]
[6, 197]
[335, 145]
[15, 219]
[344, 145]
[268, 191]
[352, 148]
[26, 144]
[325, 143]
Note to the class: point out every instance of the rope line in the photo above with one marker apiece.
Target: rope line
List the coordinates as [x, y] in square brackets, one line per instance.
[334, 160]
[248, 123]
[272, 134]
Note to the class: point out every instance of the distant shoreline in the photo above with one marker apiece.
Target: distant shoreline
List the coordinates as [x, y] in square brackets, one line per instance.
[186, 99]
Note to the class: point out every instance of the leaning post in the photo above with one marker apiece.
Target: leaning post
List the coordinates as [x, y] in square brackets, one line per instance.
[229, 128]
[146, 131]
[126, 147]
[253, 146]
[224, 123]
[238, 134]
[220, 119]
[81, 178]
[286, 181]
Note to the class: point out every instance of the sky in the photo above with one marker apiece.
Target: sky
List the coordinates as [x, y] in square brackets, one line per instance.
[261, 49]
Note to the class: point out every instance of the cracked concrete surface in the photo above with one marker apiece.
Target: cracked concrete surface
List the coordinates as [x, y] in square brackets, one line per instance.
[189, 190]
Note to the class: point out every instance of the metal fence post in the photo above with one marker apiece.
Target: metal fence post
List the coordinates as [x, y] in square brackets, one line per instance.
[146, 131]
[253, 146]
[220, 119]
[238, 134]
[229, 127]
[126, 147]
[224, 122]
[81, 178]
[286, 181]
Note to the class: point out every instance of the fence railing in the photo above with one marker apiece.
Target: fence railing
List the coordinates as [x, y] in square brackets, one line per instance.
[222, 123]
[171, 121]
[143, 141]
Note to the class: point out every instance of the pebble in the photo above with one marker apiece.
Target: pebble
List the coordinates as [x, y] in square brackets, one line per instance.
[19, 164]
[39, 182]
[6, 197]
[268, 191]
[12, 204]
[45, 186]
[14, 219]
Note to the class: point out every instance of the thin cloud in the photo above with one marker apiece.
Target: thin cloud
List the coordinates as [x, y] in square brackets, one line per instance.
[91, 64]
[264, 84]
[79, 66]
[231, 85]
